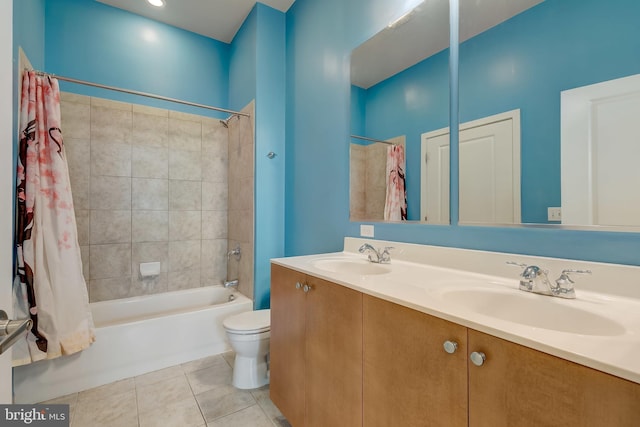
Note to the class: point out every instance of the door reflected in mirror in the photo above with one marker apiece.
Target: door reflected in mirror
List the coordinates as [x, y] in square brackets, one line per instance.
[541, 61]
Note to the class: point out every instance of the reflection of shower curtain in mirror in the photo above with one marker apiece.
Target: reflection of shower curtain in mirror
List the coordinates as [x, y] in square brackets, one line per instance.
[395, 206]
[49, 285]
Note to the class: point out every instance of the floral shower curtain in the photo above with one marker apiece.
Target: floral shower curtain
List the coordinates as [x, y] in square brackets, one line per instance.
[395, 206]
[49, 285]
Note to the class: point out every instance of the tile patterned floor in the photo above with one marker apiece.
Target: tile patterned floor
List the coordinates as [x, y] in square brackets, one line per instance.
[194, 394]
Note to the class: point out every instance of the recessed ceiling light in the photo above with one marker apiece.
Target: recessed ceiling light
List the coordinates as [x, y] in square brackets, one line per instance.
[156, 3]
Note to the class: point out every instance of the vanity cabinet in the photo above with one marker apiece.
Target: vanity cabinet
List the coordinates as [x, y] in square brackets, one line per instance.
[316, 350]
[343, 358]
[518, 386]
[409, 379]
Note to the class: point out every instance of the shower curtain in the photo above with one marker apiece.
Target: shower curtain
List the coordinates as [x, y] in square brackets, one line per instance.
[49, 285]
[395, 206]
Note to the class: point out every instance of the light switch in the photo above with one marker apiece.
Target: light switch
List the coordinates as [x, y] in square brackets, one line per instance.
[366, 230]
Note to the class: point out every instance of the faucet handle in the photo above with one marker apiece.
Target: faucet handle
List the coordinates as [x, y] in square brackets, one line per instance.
[384, 254]
[517, 264]
[565, 280]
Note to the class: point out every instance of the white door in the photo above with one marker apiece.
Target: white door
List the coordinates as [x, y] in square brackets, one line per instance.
[489, 171]
[6, 184]
[600, 152]
[434, 197]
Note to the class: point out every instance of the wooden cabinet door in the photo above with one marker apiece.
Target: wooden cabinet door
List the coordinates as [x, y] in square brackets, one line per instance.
[518, 386]
[334, 355]
[287, 346]
[409, 380]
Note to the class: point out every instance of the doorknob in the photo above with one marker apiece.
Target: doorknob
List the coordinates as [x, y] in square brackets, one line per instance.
[11, 330]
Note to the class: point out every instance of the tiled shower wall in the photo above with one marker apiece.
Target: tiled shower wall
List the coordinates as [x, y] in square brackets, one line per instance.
[367, 180]
[241, 190]
[148, 185]
[368, 186]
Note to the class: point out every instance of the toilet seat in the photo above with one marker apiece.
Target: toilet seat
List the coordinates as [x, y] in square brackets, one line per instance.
[248, 322]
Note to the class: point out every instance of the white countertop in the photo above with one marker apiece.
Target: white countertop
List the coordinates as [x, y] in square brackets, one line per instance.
[424, 287]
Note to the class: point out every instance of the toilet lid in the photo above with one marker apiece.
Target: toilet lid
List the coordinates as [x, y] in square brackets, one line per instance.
[249, 322]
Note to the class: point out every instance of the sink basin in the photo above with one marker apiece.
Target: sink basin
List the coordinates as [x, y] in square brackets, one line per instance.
[533, 310]
[359, 267]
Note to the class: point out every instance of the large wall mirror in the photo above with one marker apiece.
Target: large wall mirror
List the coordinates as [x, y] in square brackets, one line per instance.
[549, 109]
[399, 91]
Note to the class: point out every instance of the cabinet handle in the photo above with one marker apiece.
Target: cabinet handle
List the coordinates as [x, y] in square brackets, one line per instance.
[450, 346]
[478, 358]
[306, 288]
[298, 285]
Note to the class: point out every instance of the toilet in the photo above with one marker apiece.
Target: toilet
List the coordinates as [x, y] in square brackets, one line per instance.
[248, 335]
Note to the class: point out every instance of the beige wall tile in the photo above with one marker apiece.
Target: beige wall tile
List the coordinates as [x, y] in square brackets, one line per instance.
[214, 166]
[149, 194]
[110, 261]
[179, 115]
[149, 285]
[74, 97]
[214, 261]
[149, 162]
[185, 195]
[153, 111]
[149, 252]
[75, 120]
[108, 103]
[84, 253]
[109, 192]
[78, 153]
[185, 225]
[185, 135]
[82, 224]
[109, 289]
[215, 136]
[111, 159]
[150, 226]
[110, 227]
[185, 279]
[214, 224]
[214, 196]
[184, 255]
[109, 125]
[150, 130]
[185, 165]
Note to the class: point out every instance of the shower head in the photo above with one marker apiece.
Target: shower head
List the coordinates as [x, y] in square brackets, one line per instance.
[225, 122]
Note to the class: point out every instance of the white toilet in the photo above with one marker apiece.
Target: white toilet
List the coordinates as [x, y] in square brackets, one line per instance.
[248, 334]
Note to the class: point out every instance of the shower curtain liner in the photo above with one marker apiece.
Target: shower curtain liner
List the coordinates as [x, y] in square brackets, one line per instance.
[395, 206]
[49, 285]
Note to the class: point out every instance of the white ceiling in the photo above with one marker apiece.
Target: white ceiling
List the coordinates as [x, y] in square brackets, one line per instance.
[218, 19]
[425, 32]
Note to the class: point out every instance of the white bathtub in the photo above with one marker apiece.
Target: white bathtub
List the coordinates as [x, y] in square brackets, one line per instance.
[135, 336]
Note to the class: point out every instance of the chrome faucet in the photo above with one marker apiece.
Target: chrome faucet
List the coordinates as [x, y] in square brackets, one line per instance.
[231, 284]
[379, 256]
[536, 280]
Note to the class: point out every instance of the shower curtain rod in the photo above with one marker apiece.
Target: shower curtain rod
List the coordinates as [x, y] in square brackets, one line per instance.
[135, 92]
[373, 139]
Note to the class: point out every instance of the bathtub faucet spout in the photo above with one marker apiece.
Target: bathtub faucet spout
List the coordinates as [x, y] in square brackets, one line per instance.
[231, 284]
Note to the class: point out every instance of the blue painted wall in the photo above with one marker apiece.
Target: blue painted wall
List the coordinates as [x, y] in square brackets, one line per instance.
[90, 41]
[318, 98]
[527, 61]
[270, 137]
[242, 66]
[258, 72]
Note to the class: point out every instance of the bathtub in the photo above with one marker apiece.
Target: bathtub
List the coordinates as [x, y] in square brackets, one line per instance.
[135, 336]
